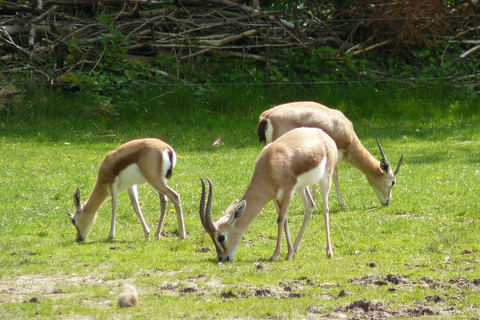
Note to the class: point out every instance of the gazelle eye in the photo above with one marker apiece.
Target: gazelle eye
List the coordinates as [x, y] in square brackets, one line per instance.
[221, 238]
[393, 183]
[73, 221]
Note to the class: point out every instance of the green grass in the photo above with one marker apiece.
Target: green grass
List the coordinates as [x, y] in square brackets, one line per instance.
[430, 230]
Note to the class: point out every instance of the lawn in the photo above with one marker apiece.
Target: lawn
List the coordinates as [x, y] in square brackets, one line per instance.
[418, 257]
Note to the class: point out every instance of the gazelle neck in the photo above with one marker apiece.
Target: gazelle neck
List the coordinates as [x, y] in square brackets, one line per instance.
[97, 197]
[257, 198]
[362, 159]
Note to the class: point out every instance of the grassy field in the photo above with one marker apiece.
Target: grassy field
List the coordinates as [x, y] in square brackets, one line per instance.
[419, 257]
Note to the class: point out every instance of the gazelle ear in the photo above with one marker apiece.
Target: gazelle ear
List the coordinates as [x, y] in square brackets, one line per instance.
[76, 199]
[238, 212]
[385, 165]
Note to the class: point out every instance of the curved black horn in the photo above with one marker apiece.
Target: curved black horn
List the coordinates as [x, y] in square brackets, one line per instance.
[208, 214]
[398, 165]
[206, 210]
[381, 150]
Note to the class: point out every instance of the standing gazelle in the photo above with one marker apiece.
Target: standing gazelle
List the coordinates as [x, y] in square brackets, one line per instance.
[285, 117]
[136, 162]
[298, 159]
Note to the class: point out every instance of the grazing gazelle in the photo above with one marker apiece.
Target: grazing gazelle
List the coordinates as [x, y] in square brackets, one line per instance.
[285, 117]
[135, 162]
[300, 158]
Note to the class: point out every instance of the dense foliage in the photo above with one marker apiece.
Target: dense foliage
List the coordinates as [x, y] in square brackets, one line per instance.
[337, 41]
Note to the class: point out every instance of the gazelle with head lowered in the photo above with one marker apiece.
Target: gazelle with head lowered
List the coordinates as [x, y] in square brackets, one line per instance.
[136, 162]
[280, 119]
[301, 157]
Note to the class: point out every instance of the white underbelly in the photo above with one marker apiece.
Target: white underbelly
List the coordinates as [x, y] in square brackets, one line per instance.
[128, 177]
[313, 176]
[308, 178]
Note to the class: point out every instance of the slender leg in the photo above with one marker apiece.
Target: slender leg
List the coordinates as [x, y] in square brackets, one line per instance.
[175, 199]
[281, 221]
[291, 251]
[325, 188]
[163, 208]
[308, 204]
[114, 192]
[133, 194]
[161, 186]
[313, 193]
[337, 188]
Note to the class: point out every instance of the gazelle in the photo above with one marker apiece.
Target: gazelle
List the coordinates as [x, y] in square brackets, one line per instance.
[136, 162]
[285, 117]
[300, 158]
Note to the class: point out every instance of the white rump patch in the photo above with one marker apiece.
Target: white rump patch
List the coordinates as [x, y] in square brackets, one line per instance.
[313, 176]
[128, 177]
[166, 164]
[269, 132]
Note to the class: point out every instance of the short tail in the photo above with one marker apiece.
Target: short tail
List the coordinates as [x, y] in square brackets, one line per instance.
[172, 164]
[262, 127]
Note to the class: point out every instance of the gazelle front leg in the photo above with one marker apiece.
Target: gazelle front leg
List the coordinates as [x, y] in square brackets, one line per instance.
[283, 224]
[114, 192]
[133, 194]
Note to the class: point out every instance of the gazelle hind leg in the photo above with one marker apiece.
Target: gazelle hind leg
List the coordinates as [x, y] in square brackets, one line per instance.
[308, 204]
[163, 208]
[133, 194]
[161, 186]
[175, 199]
[337, 189]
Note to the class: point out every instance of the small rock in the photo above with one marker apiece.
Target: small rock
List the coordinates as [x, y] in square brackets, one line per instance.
[260, 266]
[342, 294]
[34, 300]
[372, 265]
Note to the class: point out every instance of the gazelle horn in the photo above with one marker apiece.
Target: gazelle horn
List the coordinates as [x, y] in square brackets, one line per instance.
[381, 150]
[206, 210]
[398, 165]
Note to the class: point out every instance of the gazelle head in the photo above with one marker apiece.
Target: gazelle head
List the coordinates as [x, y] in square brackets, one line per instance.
[383, 185]
[225, 236]
[81, 221]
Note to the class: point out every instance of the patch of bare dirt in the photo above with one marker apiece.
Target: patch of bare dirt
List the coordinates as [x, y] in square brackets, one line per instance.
[436, 305]
[33, 288]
